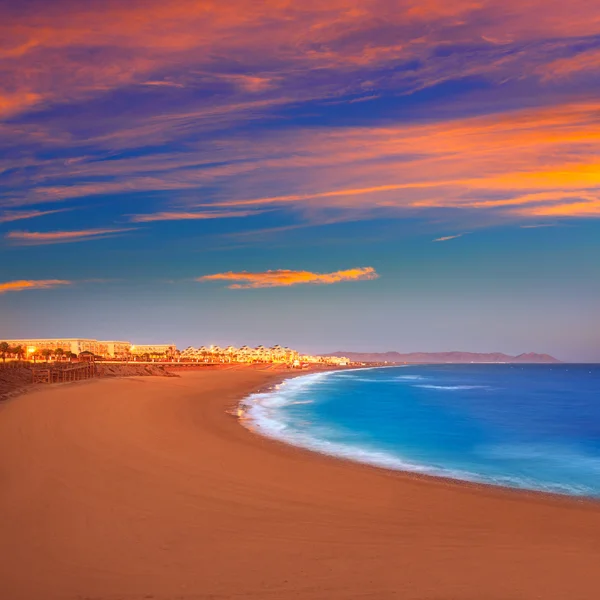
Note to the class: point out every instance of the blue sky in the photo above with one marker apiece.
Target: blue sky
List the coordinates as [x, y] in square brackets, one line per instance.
[361, 176]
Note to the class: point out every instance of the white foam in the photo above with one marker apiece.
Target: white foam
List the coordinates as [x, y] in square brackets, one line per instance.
[453, 387]
[264, 417]
[268, 422]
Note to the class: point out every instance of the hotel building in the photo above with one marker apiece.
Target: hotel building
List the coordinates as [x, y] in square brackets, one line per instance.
[167, 350]
[106, 349]
[74, 345]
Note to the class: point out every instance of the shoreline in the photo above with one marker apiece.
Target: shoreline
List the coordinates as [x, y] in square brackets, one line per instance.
[145, 488]
[474, 485]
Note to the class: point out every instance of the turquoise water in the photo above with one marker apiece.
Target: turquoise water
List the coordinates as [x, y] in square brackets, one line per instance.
[525, 426]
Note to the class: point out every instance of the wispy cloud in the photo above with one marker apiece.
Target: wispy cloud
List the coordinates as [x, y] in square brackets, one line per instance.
[286, 278]
[31, 284]
[581, 63]
[54, 237]
[342, 37]
[184, 216]
[571, 209]
[493, 163]
[18, 215]
[449, 237]
[163, 84]
[253, 62]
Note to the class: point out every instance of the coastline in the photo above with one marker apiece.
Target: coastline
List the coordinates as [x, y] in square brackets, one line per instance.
[145, 487]
[258, 413]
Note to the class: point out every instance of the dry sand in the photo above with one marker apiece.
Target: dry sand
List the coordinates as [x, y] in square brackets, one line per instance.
[144, 488]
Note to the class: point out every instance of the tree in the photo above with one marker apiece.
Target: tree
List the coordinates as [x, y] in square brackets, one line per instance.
[18, 351]
[4, 349]
[70, 355]
[59, 352]
[46, 353]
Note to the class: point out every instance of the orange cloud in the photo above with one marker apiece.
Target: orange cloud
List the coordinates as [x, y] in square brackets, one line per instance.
[527, 157]
[31, 284]
[183, 216]
[499, 162]
[568, 209]
[51, 237]
[45, 59]
[286, 278]
[14, 103]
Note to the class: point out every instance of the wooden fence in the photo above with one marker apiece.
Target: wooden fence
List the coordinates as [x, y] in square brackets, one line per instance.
[62, 375]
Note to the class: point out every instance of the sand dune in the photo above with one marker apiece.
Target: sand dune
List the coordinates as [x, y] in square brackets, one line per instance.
[144, 488]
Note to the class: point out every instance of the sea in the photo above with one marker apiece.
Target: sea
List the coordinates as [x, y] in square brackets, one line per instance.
[534, 427]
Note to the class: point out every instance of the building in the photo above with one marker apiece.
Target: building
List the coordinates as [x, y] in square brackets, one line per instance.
[121, 350]
[231, 354]
[166, 350]
[74, 345]
[105, 349]
[117, 349]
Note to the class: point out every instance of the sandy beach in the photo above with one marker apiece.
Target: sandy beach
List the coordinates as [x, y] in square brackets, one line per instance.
[145, 488]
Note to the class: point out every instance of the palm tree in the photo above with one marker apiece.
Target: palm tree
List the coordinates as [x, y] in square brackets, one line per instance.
[46, 353]
[70, 355]
[59, 352]
[18, 351]
[4, 349]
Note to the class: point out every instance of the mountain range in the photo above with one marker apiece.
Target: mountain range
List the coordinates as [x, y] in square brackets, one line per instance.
[446, 357]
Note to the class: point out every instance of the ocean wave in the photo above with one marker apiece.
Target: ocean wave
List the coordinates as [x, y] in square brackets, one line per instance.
[559, 456]
[263, 414]
[379, 380]
[272, 423]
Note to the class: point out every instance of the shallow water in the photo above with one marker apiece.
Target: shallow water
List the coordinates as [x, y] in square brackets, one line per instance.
[527, 426]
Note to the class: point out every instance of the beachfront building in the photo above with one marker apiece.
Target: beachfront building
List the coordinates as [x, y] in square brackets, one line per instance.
[120, 350]
[105, 349]
[117, 349]
[74, 345]
[336, 361]
[245, 354]
[153, 350]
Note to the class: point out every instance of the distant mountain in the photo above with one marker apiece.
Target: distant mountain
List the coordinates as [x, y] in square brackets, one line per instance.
[446, 357]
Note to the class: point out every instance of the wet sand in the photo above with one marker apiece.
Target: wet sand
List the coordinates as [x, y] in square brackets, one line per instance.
[144, 488]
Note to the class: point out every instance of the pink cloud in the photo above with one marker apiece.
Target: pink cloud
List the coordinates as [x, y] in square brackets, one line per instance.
[52, 237]
[18, 215]
[184, 216]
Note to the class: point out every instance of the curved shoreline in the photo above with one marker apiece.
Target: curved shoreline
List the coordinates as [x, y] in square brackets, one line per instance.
[136, 488]
[254, 414]
[373, 458]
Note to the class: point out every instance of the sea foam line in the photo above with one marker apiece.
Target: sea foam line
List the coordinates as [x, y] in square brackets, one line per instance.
[261, 416]
[259, 413]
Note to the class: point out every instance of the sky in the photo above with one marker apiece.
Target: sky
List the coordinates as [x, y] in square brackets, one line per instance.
[411, 175]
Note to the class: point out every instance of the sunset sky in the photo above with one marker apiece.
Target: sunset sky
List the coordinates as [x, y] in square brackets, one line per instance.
[416, 175]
